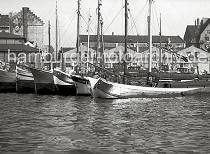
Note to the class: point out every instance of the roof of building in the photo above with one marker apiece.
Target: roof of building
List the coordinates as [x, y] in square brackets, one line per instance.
[191, 30]
[4, 20]
[194, 49]
[133, 39]
[17, 48]
[5, 35]
[203, 26]
[66, 49]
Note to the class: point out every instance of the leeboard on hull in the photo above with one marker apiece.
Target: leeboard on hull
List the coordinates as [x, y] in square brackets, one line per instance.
[7, 81]
[63, 83]
[44, 82]
[104, 89]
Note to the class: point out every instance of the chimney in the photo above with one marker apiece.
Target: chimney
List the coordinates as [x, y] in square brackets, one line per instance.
[25, 11]
[198, 21]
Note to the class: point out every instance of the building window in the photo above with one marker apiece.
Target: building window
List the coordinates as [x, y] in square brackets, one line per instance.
[11, 41]
[3, 41]
[197, 55]
[208, 31]
[206, 38]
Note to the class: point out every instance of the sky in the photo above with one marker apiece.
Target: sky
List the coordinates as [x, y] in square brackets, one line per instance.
[175, 15]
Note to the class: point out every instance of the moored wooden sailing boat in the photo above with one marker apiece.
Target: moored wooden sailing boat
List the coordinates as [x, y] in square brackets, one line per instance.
[63, 83]
[44, 81]
[24, 80]
[106, 89]
[82, 85]
[7, 81]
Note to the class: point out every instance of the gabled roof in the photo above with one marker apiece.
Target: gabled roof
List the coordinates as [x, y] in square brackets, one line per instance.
[120, 48]
[194, 49]
[203, 27]
[191, 30]
[133, 39]
[74, 50]
[65, 49]
[18, 48]
[5, 35]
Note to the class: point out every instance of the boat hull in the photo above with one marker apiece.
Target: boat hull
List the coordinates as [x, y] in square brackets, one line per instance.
[82, 85]
[25, 81]
[25, 86]
[7, 81]
[92, 83]
[104, 89]
[63, 83]
[44, 82]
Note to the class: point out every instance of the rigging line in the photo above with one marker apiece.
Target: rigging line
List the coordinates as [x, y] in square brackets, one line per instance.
[136, 17]
[113, 19]
[153, 22]
[69, 23]
[87, 23]
[134, 24]
[140, 12]
[155, 10]
[86, 19]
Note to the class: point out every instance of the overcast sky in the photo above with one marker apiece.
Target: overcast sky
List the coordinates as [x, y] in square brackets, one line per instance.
[176, 15]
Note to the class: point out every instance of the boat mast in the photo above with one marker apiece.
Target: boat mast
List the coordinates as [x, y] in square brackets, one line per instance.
[56, 31]
[160, 49]
[88, 45]
[78, 37]
[150, 35]
[102, 42]
[126, 31]
[49, 45]
[98, 29]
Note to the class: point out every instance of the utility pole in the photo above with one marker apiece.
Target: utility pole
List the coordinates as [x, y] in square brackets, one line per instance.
[78, 38]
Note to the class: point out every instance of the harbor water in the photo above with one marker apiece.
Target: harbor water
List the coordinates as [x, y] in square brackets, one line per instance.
[82, 125]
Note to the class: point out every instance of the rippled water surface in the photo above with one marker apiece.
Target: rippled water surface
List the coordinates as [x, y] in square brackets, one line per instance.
[82, 125]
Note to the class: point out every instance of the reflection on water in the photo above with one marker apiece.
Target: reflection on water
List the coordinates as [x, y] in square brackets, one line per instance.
[82, 125]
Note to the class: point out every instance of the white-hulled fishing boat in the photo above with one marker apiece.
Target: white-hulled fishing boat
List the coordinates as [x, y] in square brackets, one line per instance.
[105, 89]
[24, 80]
[43, 80]
[63, 83]
[82, 85]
